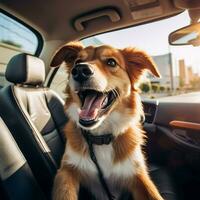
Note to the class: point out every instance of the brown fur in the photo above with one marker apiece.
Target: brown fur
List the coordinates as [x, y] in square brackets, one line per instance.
[125, 144]
[131, 63]
[144, 188]
[75, 139]
[66, 184]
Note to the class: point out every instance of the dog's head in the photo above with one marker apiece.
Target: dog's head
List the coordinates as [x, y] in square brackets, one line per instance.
[101, 82]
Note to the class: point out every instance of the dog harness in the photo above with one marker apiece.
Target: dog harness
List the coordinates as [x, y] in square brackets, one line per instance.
[98, 140]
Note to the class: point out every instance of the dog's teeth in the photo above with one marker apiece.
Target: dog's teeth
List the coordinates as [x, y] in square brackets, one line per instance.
[105, 102]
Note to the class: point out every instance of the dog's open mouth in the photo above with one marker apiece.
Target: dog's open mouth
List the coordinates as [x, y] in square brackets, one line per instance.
[94, 105]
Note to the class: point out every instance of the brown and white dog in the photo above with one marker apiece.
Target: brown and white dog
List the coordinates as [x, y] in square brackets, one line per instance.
[102, 98]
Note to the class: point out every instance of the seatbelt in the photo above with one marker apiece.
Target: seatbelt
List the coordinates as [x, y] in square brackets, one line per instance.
[98, 140]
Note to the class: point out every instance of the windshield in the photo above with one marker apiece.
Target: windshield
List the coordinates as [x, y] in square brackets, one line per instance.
[178, 65]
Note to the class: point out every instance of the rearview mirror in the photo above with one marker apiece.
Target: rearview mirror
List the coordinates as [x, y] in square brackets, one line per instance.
[189, 35]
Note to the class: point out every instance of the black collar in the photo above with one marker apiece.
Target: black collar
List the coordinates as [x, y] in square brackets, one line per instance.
[97, 139]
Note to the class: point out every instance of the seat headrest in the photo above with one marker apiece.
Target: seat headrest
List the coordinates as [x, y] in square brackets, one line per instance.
[25, 69]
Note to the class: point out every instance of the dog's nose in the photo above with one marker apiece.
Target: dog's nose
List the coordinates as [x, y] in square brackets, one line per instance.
[81, 72]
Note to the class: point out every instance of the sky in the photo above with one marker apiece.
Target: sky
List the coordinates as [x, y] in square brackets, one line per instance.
[153, 38]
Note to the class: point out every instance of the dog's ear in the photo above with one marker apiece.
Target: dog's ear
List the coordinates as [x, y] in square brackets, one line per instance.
[137, 62]
[67, 53]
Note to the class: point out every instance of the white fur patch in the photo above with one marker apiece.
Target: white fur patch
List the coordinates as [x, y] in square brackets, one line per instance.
[73, 112]
[105, 155]
[112, 172]
[115, 123]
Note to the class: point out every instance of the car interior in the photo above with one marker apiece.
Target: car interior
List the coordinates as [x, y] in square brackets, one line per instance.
[32, 114]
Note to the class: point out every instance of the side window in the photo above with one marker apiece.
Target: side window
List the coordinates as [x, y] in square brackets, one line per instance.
[59, 81]
[15, 38]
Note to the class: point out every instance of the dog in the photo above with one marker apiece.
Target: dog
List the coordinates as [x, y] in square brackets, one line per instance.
[103, 98]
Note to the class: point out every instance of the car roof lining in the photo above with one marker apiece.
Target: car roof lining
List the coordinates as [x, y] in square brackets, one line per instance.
[56, 21]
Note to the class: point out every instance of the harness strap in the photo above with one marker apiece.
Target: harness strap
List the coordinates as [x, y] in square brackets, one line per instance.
[98, 139]
[94, 159]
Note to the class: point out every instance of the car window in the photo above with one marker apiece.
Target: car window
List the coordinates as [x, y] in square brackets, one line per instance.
[15, 38]
[178, 65]
[59, 81]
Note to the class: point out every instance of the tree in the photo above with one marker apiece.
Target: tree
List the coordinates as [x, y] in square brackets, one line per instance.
[168, 89]
[12, 43]
[145, 87]
[162, 88]
[155, 87]
[195, 83]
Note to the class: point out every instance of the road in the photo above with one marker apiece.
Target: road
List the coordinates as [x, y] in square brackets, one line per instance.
[193, 97]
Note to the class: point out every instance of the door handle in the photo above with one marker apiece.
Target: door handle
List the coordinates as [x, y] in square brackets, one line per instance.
[185, 125]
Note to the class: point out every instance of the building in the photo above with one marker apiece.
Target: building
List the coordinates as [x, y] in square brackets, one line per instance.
[91, 41]
[166, 67]
[191, 75]
[183, 73]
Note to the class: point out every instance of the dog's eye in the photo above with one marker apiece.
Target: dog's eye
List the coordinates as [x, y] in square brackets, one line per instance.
[111, 62]
[78, 61]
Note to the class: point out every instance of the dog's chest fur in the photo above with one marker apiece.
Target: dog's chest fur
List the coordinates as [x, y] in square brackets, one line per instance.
[115, 173]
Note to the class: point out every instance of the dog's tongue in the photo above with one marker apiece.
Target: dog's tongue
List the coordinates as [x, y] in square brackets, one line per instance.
[91, 106]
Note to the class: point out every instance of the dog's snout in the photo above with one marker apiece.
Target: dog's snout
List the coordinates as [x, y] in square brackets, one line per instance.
[81, 72]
